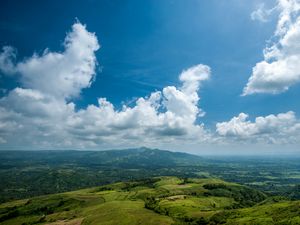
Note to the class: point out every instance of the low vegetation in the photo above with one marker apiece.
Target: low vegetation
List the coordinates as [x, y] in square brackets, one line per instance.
[159, 200]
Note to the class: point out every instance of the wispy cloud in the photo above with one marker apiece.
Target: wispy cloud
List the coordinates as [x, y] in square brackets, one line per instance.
[262, 14]
[7, 60]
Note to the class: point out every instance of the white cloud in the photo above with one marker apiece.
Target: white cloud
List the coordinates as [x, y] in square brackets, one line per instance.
[40, 113]
[261, 13]
[49, 120]
[283, 128]
[161, 116]
[7, 60]
[61, 74]
[280, 68]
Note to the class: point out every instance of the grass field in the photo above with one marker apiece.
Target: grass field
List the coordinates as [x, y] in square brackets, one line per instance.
[162, 200]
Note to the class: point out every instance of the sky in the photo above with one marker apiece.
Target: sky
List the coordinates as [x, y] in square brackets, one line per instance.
[199, 76]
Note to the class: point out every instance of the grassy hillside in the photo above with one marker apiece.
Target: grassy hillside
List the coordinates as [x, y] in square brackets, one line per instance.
[161, 200]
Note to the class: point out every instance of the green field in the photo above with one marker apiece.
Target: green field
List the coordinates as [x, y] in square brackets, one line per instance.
[160, 200]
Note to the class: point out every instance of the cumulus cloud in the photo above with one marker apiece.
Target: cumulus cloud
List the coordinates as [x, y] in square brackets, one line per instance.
[164, 115]
[170, 112]
[41, 113]
[282, 128]
[280, 68]
[61, 74]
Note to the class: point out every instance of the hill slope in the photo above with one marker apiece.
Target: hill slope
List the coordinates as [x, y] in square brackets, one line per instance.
[162, 200]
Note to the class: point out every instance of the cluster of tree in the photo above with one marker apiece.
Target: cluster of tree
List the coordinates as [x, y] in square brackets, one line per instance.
[243, 195]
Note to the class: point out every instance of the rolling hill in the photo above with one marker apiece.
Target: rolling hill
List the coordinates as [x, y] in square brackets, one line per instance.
[159, 200]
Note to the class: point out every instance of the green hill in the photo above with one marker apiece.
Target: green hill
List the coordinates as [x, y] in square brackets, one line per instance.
[161, 200]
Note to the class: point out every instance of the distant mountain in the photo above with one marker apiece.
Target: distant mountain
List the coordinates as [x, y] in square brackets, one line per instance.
[31, 173]
[145, 157]
[127, 158]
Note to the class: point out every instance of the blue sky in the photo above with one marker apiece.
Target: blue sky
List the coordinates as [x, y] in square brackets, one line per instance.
[145, 46]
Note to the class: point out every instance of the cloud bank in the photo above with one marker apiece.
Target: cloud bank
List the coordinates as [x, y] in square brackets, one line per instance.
[41, 112]
[280, 68]
[283, 128]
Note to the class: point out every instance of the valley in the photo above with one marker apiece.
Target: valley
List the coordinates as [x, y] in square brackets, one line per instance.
[146, 186]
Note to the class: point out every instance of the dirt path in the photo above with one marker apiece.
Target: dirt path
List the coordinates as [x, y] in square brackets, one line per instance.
[67, 222]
